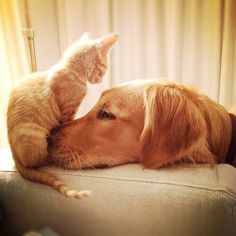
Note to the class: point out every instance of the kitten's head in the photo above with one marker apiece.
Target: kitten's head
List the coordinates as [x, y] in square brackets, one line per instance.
[88, 57]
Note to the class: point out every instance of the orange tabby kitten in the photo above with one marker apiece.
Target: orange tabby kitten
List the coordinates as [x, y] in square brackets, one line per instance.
[48, 99]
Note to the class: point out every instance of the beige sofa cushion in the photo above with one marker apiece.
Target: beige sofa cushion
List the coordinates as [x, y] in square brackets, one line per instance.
[125, 200]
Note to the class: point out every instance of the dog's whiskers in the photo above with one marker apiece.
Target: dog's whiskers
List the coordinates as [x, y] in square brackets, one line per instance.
[66, 162]
[80, 166]
[77, 161]
[72, 154]
[86, 162]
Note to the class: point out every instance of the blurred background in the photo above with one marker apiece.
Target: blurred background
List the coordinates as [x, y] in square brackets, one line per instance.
[188, 41]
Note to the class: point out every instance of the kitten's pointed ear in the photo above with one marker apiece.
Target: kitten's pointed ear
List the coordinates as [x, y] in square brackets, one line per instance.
[85, 38]
[105, 43]
[173, 124]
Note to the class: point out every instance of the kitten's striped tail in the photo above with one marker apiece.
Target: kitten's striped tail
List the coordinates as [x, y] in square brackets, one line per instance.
[51, 180]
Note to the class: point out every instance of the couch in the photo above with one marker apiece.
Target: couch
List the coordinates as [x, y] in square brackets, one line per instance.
[125, 200]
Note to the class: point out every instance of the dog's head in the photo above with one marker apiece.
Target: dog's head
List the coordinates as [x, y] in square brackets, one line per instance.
[108, 135]
[146, 122]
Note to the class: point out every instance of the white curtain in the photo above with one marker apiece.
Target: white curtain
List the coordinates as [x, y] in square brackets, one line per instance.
[227, 77]
[188, 41]
[13, 61]
[192, 42]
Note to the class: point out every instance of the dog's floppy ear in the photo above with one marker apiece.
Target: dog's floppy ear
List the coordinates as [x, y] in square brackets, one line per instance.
[173, 124]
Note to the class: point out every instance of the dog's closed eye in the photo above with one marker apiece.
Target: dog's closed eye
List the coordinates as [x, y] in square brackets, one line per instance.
[105, 115]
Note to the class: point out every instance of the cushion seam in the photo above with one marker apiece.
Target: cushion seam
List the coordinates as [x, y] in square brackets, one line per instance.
[232, 195]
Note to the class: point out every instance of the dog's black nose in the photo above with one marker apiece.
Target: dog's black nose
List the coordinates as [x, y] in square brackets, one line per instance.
[50, 142]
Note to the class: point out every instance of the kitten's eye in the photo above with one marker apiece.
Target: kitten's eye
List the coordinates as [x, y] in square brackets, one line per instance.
[105, 115]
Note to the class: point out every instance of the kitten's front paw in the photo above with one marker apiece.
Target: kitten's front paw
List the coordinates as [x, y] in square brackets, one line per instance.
[95, 80]
[67, 115]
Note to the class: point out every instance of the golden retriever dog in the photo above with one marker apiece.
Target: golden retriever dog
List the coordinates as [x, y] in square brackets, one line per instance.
[155, 124]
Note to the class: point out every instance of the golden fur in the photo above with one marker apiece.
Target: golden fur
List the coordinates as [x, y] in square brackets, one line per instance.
[46, 100]
[156, 124]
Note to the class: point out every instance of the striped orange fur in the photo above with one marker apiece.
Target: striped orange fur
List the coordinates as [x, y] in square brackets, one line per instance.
[47, 99]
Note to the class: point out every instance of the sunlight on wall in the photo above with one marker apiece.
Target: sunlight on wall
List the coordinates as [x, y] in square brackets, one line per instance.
[13, 61]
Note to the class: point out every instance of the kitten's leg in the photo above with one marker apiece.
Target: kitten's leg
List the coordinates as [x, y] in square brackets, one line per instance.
[68, 92]
[29, 145]
[68, 112]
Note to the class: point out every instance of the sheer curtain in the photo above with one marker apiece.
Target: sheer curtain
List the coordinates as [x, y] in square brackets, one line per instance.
[13, 61]
[191, 42]
[227, 78]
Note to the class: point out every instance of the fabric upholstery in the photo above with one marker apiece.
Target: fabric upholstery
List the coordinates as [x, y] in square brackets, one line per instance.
[125, 200]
